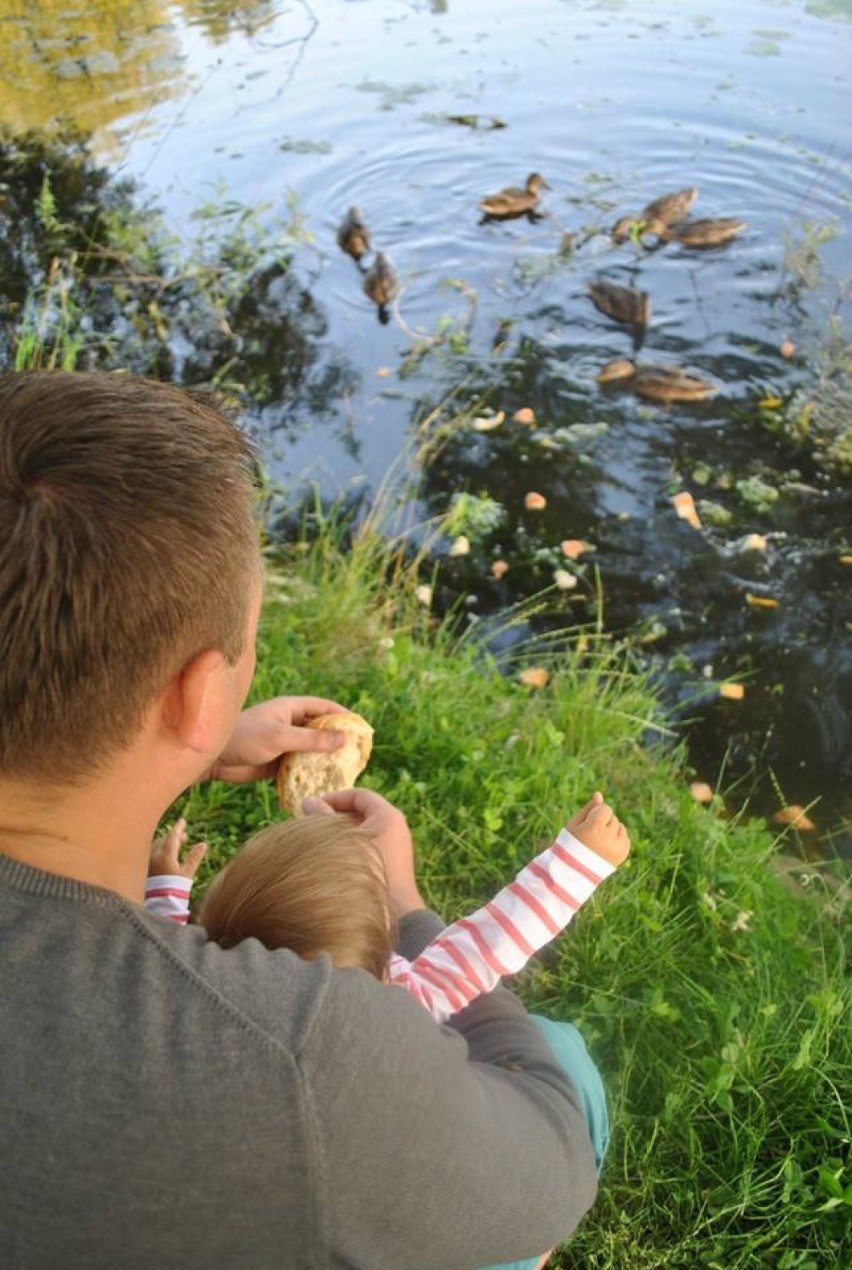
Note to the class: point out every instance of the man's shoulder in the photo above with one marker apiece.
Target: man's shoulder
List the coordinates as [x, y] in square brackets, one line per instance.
[271, 992]
[177, 981]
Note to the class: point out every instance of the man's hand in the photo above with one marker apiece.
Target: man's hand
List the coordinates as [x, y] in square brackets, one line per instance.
[265, 732]
[165, 858]
[388, 826]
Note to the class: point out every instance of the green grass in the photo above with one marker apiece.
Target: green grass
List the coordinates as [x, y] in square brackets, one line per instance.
[712, 999]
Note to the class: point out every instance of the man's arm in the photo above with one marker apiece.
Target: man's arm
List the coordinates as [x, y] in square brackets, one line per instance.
[453, 1148]
[265, 732]
[439, 1147]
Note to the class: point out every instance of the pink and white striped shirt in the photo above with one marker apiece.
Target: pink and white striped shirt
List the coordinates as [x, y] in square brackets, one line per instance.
[472, 955]
[167, 895]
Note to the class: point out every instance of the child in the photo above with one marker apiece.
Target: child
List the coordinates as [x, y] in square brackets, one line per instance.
[316, 884]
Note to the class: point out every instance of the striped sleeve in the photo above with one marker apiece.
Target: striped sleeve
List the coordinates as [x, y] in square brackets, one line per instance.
[471, 955]
[167, 895]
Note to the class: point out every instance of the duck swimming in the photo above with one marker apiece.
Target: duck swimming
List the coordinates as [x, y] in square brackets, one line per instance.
[381, 284]
[657, 383]
[353, 236]
[624, 304]
[657, 216]
[514, 201]
[712, 232]
[668, 209]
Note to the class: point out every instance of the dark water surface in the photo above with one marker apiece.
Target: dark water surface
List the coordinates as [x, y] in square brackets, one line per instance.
[615, 102]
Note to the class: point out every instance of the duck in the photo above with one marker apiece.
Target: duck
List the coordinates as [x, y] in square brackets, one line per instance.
[712, 232]
[381, 284]
[668, 209]
[353, 236]
[514, 201]
[657, 383]
[624, 228]
[625, 304]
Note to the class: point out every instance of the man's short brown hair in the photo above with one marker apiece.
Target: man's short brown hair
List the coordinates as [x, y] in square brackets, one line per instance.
[127, 546]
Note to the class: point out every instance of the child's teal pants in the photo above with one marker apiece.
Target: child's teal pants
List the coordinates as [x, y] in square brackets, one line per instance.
[569, 1048]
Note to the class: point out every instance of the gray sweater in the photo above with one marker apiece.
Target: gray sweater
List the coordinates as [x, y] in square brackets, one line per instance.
[167, 1103]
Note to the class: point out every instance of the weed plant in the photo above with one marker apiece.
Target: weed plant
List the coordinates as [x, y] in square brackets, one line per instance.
[712, 999]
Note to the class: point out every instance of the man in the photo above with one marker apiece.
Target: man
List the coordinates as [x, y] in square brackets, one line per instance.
[165, 1102]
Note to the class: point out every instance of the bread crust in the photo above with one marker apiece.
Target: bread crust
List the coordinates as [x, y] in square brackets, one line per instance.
[307, 773]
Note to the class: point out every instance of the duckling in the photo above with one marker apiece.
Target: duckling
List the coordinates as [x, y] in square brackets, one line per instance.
[668, 209]
[657, 383]
[353, 236]
[381, 284]
[705, 233]
[625, 304]
[514, 201]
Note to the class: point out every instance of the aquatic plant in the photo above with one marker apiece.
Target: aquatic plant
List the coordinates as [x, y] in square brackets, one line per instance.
[475, 515]
[756, 493]
[817, 418]
[802, 266]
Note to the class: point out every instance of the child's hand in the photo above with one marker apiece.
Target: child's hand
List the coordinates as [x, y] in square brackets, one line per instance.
[165, 854]
[599, 829]
[388, 827]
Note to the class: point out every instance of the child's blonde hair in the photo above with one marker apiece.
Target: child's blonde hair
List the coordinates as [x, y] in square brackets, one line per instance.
[313, 884]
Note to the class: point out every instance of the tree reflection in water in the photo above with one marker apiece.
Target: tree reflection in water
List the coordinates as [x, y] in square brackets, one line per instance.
[87, 66]
[89, 276]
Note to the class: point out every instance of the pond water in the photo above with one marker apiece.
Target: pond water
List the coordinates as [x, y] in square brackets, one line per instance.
[413, 111]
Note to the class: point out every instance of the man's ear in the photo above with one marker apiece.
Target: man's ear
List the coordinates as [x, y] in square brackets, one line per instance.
[193, 703]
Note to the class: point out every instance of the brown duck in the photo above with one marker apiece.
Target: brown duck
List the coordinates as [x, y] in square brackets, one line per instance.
[514, 201]
[668, 209]
[625, 304]
[657, 216]
[353, 236]
[381, 284]
[657, 383]
[705, 233]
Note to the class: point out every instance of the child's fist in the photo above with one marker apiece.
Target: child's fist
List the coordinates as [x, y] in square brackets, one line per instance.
[599, 829]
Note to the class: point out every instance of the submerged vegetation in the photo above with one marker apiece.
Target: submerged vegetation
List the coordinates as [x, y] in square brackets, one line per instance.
[817, 419]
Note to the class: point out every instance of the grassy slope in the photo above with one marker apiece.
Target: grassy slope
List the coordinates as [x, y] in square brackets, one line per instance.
[721, 1047]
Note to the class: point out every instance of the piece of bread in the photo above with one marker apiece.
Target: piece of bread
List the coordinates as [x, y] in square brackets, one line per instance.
[307, 773]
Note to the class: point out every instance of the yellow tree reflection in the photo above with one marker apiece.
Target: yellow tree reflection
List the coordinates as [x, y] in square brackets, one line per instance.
[220, 18]
[88, 65]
